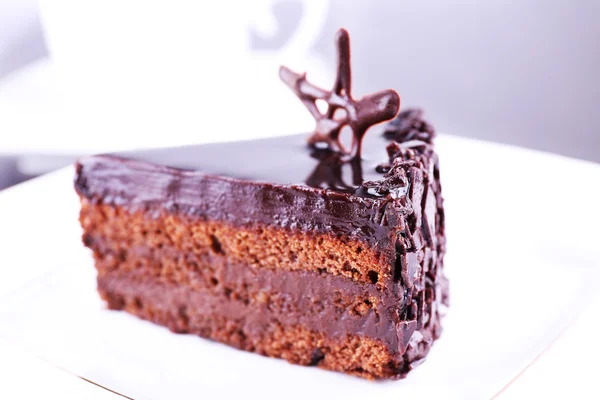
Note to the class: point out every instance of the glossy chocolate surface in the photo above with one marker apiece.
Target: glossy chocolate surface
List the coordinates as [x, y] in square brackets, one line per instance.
[285, 160]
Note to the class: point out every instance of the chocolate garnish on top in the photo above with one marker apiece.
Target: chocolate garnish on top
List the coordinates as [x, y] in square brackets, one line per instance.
[342, 109]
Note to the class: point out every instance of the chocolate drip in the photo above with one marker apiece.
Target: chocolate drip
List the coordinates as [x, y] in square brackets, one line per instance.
[329, 171]
[342, 109]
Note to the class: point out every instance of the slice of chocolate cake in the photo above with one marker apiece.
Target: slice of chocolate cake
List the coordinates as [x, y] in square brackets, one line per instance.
[309, 253]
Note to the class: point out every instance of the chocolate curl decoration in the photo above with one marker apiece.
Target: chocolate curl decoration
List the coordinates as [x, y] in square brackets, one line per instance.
[342, 109]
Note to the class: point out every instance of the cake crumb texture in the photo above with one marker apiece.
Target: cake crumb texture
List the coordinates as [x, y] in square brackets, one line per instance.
[260, 246]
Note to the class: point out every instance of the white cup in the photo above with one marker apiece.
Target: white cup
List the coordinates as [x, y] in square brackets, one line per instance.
[175, 72]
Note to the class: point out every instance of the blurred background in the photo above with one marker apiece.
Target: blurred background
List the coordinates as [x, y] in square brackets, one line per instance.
[80, 77]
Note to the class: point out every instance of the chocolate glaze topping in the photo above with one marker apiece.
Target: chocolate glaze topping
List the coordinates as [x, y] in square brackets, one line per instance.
[342, 109]
[271, 174]
[266, 181]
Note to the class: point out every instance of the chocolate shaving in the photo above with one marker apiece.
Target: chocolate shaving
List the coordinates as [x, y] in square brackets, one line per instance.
[358, 115]
[409, 125]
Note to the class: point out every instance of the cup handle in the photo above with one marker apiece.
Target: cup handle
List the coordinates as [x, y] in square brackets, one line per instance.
[314, 15]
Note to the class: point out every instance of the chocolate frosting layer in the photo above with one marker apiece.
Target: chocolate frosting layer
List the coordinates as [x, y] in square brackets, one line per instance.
[278, 181]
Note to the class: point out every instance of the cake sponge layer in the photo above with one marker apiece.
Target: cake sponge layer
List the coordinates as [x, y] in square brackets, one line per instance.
[260, 246]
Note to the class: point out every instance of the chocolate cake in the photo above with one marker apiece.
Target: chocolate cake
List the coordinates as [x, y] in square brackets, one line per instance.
[313, 253]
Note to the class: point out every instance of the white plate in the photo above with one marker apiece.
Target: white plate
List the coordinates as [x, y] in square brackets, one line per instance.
[25, 376]
[522, 261]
